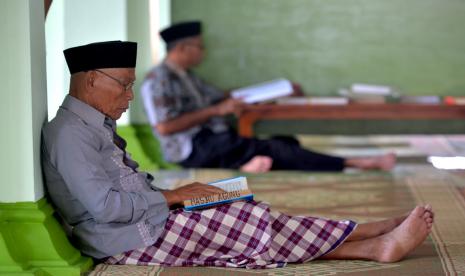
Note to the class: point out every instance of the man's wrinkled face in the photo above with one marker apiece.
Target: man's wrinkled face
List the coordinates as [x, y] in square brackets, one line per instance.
[112, 90]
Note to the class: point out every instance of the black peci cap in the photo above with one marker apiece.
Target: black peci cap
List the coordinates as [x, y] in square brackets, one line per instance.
[181, 30]
[108, 54]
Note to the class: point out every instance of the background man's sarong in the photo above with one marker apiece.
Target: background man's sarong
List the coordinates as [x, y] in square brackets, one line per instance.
[239, 235]
[229, 150]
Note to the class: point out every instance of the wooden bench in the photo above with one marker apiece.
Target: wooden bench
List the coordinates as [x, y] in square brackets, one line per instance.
[368, 118]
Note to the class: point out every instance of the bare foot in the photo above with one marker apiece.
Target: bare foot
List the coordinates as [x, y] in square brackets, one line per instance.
[257, 164]
[387, 161]
[429, 209]
[392, 223]
[429, 216]
[374, 229]
[384, 162]
[397, 221]
[396, 244]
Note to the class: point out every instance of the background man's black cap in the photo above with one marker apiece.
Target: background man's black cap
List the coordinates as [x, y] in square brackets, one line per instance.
[108, 54]
[181, 30]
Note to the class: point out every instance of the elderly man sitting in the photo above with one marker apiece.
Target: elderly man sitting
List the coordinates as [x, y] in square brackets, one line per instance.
[118, 216]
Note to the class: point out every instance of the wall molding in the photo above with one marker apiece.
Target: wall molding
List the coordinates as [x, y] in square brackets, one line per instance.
[33, 242]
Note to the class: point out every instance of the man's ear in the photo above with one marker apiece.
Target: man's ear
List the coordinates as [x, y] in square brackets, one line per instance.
[90, 80]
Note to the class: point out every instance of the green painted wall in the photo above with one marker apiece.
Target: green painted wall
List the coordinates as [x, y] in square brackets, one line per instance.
[144, 18]
[32, 242]
[417, 46]
[23, 107]
[139, 30]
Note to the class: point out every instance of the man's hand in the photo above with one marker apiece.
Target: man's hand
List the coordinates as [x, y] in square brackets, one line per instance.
[189, 191]
[297, 90]
[198, 117]
[229, 106]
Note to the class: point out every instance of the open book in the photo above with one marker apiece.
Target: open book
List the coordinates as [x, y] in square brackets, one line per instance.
[234, 189]
[263, 91]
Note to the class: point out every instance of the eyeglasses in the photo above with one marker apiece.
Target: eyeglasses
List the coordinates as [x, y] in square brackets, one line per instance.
[126, 87]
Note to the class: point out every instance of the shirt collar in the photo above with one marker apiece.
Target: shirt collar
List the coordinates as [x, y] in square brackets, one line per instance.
[176, 68]
[84, 111]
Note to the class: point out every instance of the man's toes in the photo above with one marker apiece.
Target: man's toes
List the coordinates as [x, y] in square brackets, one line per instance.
[427, 215]
[429, 209]
[431, 213]
[418, 211]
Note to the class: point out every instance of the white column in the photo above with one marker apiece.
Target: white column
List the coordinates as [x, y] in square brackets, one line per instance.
[75, 23]
[23, 108]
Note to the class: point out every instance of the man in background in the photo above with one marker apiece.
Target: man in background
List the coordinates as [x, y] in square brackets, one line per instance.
[187, 116]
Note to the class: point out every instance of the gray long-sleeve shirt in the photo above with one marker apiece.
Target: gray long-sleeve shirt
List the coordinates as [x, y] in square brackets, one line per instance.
[111, 207]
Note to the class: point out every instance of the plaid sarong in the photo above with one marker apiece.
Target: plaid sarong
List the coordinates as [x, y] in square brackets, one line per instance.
[241, 234]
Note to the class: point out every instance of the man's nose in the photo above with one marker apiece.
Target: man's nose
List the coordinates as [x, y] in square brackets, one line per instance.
[130, 94]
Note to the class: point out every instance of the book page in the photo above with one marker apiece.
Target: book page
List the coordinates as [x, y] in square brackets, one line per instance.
[263, 91]
[360, 88]
[231, 184]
